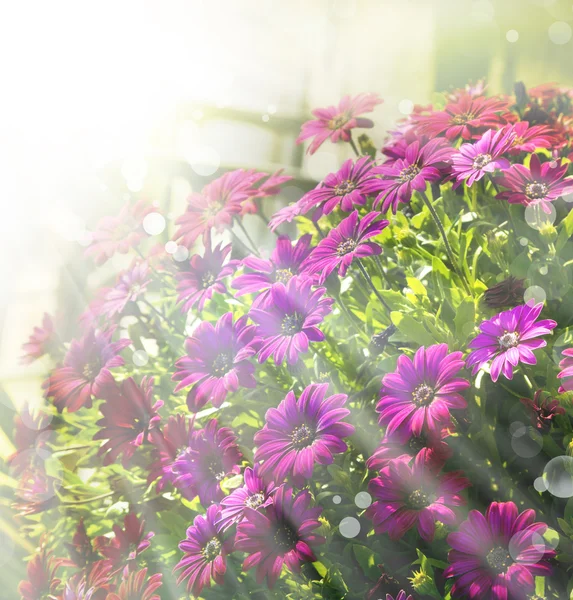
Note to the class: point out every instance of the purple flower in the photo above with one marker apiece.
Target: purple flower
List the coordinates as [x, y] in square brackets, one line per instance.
[204, 276]
[284, 263]
[137, 586]
[255, 494]
[420, 393]
[408, 496]
[86, 370]
[528, 139]
[336, 122]
[345, 188]
[41, 342]
[567, 371]
[217, 361]
[508, 292]
[130, 285]
[205, 549]
[508, 338]
[498, 556]
[211, 456]
[285, 215]
[298, 434]
[281, 534]
[129, 414]
[540, 184]
[420, 165]
[288, 323]
[345, 243]
[401, 596]
[542, 410]
[473, 161]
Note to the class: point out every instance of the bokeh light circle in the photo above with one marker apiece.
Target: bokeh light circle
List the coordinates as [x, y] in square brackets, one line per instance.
[527, 442]
[171, 247]
[536, 547]
[406, 107]
[512, 36]
[337, 499]
[140, 358]
[539, 485]
[537, 218]
[559, 32]
[181, 254]
[349, 527]
[154, 223]
[205, 161]
[536, 293]
[558, 476]
[363, 499]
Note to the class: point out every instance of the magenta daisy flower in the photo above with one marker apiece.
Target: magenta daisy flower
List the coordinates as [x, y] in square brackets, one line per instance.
[204, 276]
[130, 287]
[169, 442]
[298, 434]
[289, 322]
[467, 117]
[540, 184]
[419, 395]
[255, 494]
[281, 534]
[118, 234]
[509, 338]
[567, 371]
[137, 586]
[404, 445]
[86, 370]
[336, 122]
[41, 342]
[129, 414]
[407, 496]
[217, 361]
[285, 215]
[41, 579]
[345, 188]
[499, 555]
[267, 189]
[403, 176]
[345, 243]
[211, 456]
[542, 410]
[205, 549]
[284, 263]
[528, 139]
[473, 161]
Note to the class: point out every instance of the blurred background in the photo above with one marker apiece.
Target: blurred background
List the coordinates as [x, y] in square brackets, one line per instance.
[105, 101]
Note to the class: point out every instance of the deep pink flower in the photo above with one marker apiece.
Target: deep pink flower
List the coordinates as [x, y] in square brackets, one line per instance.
[404, 445]
[137, 586]
[400, 178]
[118, 234]
[41, 342]
[217, 361]
[542, 410]
[36, 491]
[268, 188]
[528, 139]
[509, 338]
[289, 322]
[473, 161]
[344, 189]
[211, 456]
[281, 534]
[284, 263]
[204, 276]
[285, 215]
[81, 548]
[130, 286]
[419, 395]
[255, 494]
[123, 549]
[566, 373]
[345, 243]
[41, 573]
[336, 122]
[467, 117]
[406, 496]
[498, 556]
[299, 433]
[540, 184]
[86, 370]
[205, 549]
[129, 414]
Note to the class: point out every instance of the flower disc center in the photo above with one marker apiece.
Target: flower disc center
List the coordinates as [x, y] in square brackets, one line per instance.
[510, 339]
[499, 559]
[222, 364]
[346, 247]
[302, 436]
[423, 395]
[536, 190]
[481, 160]
[212, 549]
[283, 275]
[418, 499]
[409, 173]
[292, 324]
[255, 500]
[344, 187]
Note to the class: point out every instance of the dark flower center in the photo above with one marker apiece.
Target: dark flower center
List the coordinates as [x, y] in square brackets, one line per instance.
[481, 160]
[499, 560]
[422, 395]
[409, 173]
[283, 275]
[208, 279]
[346, 247]
[338, 121]
[302, 436]
[292, 324]
[344, 187]
[510, 339]
[222, 364]
[536, 190]
[91, 370]
[416, 444]
[418, 500]
[462, 118]
[255, 500]
[214, 467]
[212, 549]
[286, 537]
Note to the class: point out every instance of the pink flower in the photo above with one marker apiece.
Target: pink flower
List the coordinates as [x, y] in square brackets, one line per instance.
[567, 371]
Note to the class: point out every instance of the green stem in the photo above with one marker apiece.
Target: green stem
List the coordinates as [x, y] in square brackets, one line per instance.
[349, 315]
[353, 146]
[246, 234]
[88, 500]
[445, 239]
[372, 286]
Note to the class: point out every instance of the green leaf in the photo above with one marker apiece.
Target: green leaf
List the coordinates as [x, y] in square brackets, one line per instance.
[367, 560]
[465, 315]
[412, 329]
